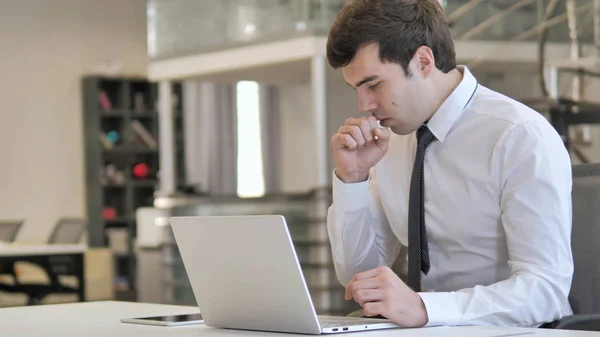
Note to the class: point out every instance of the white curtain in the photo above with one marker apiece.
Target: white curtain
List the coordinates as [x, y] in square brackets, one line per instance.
[270, 124]
[211, 137]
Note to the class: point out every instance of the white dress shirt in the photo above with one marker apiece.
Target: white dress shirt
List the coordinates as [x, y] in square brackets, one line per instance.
[497, 212]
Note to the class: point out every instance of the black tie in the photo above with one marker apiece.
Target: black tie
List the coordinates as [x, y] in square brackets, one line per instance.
[418, 252]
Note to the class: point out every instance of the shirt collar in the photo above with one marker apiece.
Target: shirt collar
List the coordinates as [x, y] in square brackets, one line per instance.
[452, 108]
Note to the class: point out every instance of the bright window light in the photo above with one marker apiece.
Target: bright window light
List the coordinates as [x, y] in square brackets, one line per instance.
[250, 29]
[250, 179]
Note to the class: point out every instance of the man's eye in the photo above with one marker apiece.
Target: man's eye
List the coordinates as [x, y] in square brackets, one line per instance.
[374, 86]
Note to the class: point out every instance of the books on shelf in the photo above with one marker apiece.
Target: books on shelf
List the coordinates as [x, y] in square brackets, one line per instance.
[114, 175]
[105, 102]
[143, 137]
[139, 102]
[106, 143]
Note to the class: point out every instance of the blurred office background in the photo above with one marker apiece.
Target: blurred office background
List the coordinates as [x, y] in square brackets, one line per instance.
[117, 114]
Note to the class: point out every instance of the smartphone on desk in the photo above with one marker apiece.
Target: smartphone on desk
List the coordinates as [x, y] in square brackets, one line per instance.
[169, 320]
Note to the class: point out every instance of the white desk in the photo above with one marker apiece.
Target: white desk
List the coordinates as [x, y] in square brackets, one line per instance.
[19, 249]
[102, 319]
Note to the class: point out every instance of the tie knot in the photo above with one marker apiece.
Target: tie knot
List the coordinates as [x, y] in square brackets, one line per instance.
[424, 135]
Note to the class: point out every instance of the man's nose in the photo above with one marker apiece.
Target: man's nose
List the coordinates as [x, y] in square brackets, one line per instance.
[366, 102]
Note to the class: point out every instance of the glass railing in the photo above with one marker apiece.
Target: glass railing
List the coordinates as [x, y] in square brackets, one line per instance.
[184, 27]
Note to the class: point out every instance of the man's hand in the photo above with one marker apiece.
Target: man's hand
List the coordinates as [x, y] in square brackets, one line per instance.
[357, 146]
[381, 292]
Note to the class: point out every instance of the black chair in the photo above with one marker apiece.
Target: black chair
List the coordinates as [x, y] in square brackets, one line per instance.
[9, 230]
[584, 296]
[67, 231]
[8, 233]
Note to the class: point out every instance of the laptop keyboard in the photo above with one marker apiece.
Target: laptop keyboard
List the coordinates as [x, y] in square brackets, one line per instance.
[335, 321]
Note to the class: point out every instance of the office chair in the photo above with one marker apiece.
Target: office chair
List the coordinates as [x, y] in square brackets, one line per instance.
[67, 231]
[8, 233]
[9, 230]
[584, 296]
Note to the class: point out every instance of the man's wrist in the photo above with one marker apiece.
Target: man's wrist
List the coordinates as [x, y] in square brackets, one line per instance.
[351, 178]
[423, 317]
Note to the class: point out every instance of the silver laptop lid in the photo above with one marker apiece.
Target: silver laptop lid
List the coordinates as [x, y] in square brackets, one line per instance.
[244, 273]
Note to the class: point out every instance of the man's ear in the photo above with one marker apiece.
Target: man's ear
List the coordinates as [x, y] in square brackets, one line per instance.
[425, 60]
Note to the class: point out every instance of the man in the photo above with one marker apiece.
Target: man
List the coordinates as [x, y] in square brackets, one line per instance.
[475, 184]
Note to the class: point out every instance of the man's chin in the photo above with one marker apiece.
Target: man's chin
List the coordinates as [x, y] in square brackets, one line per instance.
[402, 130]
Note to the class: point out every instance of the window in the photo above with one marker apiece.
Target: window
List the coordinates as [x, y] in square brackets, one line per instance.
[250, 179]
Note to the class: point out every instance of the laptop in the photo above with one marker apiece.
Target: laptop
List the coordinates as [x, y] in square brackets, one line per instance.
[245, 274]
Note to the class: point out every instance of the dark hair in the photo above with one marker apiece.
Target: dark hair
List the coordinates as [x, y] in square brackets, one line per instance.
[400, 27]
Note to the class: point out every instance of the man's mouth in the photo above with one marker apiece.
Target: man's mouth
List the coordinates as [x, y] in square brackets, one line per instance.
[384, 122]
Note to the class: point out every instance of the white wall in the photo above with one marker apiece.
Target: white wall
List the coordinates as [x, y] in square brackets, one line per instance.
[46, 46]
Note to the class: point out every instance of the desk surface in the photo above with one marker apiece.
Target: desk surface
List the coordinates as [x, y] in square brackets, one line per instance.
[103, 319]
[20, 249]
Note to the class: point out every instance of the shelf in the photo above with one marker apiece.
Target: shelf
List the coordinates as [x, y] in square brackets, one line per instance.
[147, 114]
[121, 113]
[113, 108]
[134, 183]
[113, 113]
[129, 150]
[121, 220]
[144, 114]
[111, 185]
[144, 183]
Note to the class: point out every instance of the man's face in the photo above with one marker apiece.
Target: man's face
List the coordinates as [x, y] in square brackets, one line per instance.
[385, 91]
